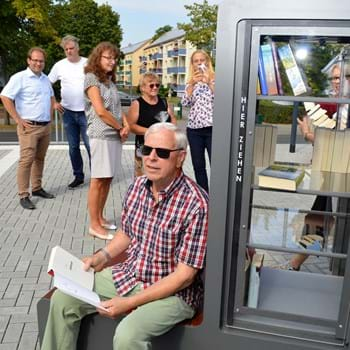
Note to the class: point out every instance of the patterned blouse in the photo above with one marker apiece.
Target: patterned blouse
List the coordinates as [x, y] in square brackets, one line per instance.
[163, 233]
[97, 128]
[201, 102]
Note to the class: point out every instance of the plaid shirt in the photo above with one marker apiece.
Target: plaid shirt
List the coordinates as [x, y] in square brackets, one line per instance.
[162, 234]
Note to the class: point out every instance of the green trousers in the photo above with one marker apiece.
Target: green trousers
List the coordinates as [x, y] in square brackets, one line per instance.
[134, 332]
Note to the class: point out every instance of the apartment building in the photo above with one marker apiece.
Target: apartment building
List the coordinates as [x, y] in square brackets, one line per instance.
[128, 71]
[168, 56]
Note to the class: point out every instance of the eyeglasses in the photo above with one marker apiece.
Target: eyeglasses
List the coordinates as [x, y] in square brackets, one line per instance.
[334, 78]
[37, 61]
[109, 58]
[163, 153]
[152, 86]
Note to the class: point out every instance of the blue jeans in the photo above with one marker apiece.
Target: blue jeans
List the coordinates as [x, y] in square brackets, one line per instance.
[200, 140]
[75, 124]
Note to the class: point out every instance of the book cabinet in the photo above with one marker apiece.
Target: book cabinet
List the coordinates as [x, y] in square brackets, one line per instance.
[281, 309]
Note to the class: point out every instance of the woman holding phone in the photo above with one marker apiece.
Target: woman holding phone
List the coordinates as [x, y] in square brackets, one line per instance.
[199, 96]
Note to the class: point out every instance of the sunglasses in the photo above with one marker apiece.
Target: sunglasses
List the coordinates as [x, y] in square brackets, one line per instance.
[152, 86]
[163, 153]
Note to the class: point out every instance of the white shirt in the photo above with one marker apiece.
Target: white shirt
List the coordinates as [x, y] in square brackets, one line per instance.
[31, 94]
[71, 75]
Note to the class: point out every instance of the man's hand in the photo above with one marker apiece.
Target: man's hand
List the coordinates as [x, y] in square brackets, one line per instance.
[116, 306]
[96, 261]
[58, 107]
[23, 123]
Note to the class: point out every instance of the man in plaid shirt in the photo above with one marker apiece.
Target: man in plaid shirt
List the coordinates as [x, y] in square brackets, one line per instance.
[164, 235]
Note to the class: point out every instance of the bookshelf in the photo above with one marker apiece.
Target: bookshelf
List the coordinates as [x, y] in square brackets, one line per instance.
[295, 59]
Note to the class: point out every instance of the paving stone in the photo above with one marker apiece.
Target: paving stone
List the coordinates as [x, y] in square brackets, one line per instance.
[13, 333]
[25, 298]
[28, 340]
[9, 346]
[4, 320]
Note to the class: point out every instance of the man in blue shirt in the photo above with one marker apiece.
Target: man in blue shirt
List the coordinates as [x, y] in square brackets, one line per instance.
[28, 98]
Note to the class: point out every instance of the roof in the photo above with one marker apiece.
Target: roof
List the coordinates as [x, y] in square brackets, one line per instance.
[133, 47]
[168, 36]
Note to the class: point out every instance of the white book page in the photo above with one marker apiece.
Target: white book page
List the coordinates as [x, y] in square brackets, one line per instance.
[70, 267]
[75, 290]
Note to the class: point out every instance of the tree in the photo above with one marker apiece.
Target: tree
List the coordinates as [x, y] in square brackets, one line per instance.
[87, 21]
[201, 32]
[24, 24]
[160, 31]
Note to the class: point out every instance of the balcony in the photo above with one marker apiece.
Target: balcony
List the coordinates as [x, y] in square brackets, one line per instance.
[176, 70]
[173, 53]
[180, 88]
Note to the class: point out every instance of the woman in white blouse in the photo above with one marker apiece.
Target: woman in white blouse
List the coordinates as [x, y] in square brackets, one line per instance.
[199, 96]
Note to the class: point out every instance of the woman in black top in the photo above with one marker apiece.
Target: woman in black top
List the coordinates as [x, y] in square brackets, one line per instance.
[148, 109]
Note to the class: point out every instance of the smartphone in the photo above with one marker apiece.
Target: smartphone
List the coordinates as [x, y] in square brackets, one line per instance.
[202, 67]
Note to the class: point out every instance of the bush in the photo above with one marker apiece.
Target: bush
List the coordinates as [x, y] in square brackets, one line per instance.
[275, 113]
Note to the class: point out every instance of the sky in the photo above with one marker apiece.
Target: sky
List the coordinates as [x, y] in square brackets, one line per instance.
[140, 19]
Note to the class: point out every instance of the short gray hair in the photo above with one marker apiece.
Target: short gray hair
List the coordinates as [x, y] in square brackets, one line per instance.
[66, 39]
[180, 137]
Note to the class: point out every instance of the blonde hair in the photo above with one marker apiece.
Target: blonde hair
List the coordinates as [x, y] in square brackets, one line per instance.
[148, 76]
[208, 62]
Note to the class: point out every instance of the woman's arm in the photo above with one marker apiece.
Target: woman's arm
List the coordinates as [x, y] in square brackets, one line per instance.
[305, 130]
[95, 97]
[171, 114]
[133, 117]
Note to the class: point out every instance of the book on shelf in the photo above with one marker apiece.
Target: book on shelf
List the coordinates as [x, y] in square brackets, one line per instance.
[319, 116]
[277, 71]
[331, 150]
[258, 88]
[269, 68]
[280, 177]
[262, 75]
[254, 280]
[265, 141]
[70, 277]
[293, 72]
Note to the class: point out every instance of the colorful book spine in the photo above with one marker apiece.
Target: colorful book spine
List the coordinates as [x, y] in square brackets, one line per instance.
[262, 76]
[269, 68]
[277, 71]
[292, 70]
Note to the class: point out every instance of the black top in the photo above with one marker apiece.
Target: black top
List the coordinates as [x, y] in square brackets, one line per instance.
[147, 114]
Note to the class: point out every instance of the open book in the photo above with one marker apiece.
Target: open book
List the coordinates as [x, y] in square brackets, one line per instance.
[70, 277]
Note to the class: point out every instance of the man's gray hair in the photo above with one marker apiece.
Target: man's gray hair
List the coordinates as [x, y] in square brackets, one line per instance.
[69, 38]
[180, 137]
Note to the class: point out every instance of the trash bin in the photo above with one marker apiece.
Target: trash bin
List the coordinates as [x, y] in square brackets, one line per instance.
[178, 111]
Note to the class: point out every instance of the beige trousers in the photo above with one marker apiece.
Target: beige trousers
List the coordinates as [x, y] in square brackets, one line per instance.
[34, 142]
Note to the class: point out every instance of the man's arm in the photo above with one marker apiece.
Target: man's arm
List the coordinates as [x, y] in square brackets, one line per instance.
[182, 277]
[11, 109]
[116, 246]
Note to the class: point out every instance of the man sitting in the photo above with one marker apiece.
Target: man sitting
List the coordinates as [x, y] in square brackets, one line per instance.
[164, 234]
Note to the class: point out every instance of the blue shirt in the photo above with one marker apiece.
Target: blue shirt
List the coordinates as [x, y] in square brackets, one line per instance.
[31, 94]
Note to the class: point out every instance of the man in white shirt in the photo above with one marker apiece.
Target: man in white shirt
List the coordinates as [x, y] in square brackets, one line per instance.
[70, 71]
[28, 98]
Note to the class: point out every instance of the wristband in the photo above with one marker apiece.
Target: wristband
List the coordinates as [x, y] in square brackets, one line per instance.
[106, 254]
